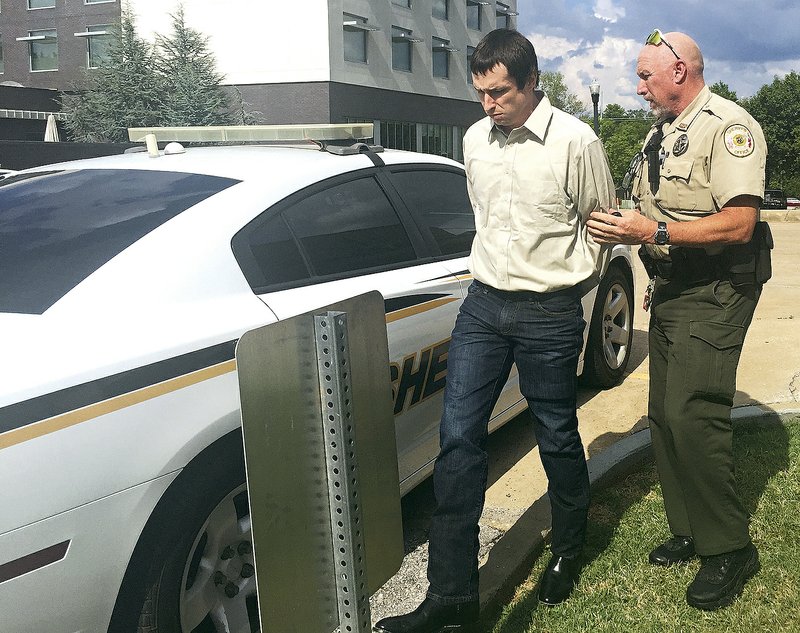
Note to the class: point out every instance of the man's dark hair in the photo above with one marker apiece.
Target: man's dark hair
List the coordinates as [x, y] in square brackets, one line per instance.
[510, 48]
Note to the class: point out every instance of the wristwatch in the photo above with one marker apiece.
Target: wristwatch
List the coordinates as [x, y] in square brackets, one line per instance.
[661, 236]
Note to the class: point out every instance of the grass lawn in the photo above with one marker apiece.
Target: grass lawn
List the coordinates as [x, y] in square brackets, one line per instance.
[620, 591]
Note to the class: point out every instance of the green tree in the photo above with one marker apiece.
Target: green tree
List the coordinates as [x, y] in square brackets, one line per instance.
[193, 92]
[125, 92]
[623, 132]
[723, 90]
[776, 107]
[552, 83]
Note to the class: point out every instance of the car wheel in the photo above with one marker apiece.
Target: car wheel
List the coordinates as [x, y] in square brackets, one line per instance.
[201, 575]
[611, 330]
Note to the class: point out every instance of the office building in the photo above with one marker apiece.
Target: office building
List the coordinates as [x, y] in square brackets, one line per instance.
[401, 63]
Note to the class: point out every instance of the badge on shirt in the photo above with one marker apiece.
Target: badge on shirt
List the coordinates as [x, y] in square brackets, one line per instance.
[681, 145]
[739, 140]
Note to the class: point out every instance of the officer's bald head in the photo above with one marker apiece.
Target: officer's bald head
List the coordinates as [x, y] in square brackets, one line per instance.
[670, 73]
[687, 50]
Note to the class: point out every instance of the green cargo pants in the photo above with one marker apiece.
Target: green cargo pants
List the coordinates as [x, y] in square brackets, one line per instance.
[696, 337]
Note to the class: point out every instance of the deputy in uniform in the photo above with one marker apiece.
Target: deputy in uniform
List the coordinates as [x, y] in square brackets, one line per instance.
[697, 186]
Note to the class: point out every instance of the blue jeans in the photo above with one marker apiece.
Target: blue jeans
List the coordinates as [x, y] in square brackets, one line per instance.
[542, 333]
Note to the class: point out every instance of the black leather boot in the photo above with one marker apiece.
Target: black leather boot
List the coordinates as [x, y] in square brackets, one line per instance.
[722, 577]
[678, 549]
[432, 617]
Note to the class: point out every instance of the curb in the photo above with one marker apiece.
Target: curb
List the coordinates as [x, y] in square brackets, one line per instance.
[781, 215]
[510, 560]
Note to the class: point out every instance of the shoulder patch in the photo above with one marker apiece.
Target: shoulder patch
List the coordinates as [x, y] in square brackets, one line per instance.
[739, 140]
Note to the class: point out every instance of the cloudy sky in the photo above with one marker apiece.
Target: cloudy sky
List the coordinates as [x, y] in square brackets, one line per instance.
[745, 43]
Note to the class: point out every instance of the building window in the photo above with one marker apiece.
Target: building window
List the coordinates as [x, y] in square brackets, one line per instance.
[440, 9]
[441, 57]
[437, 139]
[98, 44]
[399, 135]
[2, 62]
[402, 3]
[504, 15]
[470, 51]
[41, 4]
[474, 10]
[402, 39]
[42, 48]
[355, 37]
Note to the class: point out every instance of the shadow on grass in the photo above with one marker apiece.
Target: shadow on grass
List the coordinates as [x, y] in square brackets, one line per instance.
[761, 450]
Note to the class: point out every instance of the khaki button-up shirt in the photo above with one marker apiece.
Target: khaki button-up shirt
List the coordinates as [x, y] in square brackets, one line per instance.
[532, 192]
[711, 153]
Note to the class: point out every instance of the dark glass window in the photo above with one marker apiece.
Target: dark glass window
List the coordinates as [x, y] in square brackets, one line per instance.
[401, 49]
[440, 200]
[346, 228]
[57, 228]
[267, 253]
[473, 15]
[349, 227]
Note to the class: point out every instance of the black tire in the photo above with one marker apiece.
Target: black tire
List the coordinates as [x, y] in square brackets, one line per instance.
[608, 347]
[193, 569]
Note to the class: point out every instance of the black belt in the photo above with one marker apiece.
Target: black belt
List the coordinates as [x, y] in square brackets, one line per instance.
[687, 265]
[525, 295]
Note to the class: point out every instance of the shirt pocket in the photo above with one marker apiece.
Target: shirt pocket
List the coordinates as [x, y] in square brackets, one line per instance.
[541, 202]
[682, 186]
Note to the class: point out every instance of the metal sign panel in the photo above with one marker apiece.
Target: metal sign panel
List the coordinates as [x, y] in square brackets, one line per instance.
[287, 471]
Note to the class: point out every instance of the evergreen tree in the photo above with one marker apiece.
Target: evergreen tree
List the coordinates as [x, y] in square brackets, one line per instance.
[125, 92]
[193, 92]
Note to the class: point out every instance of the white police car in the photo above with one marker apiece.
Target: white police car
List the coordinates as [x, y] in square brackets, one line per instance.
[126, 282]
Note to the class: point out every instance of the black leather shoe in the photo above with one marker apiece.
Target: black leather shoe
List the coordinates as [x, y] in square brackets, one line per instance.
[721, 578]
[678, 549]
[432, 617]
[558, 580]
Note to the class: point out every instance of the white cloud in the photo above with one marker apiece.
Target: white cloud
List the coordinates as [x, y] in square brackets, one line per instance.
[607, 11]
[612, 62]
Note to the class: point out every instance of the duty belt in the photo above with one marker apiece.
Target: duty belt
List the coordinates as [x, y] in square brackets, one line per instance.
[686, 265]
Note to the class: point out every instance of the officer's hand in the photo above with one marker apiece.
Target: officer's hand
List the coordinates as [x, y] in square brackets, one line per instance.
[620, 227]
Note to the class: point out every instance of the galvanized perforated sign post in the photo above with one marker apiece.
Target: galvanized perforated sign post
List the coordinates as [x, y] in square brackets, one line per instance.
[321, 465]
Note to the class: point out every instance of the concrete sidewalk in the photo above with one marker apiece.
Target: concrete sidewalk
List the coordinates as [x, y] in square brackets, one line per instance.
[613, 425]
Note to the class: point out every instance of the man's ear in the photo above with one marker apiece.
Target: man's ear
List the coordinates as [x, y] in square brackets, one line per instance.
[681, 71]
[533, 80]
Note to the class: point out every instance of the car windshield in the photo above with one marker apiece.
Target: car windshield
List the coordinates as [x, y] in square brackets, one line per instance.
[58, 227]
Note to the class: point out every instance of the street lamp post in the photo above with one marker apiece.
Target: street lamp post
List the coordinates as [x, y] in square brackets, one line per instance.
[594, 89]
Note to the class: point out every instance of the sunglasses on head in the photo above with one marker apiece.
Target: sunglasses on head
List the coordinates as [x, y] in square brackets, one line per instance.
[657, 37]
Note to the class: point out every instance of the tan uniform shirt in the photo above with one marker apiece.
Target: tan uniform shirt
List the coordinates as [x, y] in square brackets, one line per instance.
[531, 192]
[712, 152]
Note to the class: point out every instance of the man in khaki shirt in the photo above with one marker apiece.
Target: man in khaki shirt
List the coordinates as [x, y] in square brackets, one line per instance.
[698, 186]
[534, 174]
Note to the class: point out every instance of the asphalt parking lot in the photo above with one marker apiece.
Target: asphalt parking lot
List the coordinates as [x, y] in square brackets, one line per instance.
[614, 430]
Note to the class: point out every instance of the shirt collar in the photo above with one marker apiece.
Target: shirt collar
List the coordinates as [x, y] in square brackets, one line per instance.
[536, 124]
[685, 118]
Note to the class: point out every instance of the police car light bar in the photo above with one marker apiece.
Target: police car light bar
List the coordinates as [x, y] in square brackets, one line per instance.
[240, 133]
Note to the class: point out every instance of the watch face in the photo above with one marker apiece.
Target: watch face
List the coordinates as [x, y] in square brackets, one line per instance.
[662, 235]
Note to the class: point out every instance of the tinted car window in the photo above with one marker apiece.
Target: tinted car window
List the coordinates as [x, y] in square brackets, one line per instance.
[345, 228]
[348, 227]
[439, 198]
[58, 228]
[267, 253]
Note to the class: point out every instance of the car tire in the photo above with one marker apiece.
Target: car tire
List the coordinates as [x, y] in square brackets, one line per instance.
[608, 347]
[193, 569]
